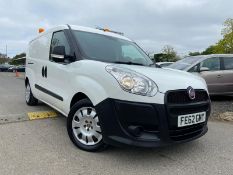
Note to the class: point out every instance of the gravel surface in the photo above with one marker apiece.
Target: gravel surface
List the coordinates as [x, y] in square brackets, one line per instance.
[220, 105]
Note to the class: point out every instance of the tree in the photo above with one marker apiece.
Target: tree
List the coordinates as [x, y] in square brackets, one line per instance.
[3, 58]
[14, 60]
[169, 50]
[210, 50]
[194, 53]
[225, 45]
[159, 57]
[228, 27]
[168, 54]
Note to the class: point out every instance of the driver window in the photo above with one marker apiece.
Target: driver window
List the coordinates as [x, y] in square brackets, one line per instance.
[213, 64]
[59, 39]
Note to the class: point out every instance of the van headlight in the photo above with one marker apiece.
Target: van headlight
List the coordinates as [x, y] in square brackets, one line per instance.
[133, 82]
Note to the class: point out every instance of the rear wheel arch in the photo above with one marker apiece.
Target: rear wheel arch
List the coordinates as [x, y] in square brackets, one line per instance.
[26, 81]
[29, 97]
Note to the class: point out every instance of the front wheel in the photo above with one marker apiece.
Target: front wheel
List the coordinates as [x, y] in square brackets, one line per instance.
[83, 127]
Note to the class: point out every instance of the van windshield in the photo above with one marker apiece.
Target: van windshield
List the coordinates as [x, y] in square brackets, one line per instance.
[110, 49]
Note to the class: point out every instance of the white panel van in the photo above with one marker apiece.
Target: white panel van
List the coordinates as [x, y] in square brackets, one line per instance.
[111, 92]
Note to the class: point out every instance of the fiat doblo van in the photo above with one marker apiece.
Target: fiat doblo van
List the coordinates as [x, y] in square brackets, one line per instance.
[111, 92]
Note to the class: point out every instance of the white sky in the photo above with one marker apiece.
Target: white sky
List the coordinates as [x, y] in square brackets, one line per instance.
[187, 25]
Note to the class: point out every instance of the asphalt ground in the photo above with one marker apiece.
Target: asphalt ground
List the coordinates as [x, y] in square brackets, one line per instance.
[42, 146]
[12, 102]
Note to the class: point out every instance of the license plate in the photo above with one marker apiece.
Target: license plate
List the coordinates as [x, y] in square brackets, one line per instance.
[191, 119]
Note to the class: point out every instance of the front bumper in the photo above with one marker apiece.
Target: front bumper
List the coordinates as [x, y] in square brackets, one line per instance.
[147, 125]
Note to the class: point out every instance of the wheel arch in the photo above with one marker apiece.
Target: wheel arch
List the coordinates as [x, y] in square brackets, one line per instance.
[26, 81]
[87, 88]
[77, 97]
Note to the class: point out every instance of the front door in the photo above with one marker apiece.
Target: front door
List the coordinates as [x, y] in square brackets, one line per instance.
[58, 72]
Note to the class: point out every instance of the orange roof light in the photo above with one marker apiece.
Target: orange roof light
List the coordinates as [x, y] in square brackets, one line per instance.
[106, 30]
[41, 30]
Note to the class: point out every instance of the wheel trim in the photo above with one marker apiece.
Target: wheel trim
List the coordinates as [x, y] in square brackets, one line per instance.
[27, 93]
[85, 126]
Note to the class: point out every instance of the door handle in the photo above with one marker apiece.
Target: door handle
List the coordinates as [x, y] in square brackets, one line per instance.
[219, 76]
[43, 71]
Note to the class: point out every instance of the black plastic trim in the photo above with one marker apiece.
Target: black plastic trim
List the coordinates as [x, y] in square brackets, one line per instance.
[175, 109]
[42, 71]
[45, 72]
[48, 92]
[74, 43]
[114, 113]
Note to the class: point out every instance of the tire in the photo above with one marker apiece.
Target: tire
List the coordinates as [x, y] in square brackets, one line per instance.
[29, 98]
[83, 127]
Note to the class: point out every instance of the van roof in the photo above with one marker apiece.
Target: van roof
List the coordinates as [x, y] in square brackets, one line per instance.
[82, 28]
[92, 30]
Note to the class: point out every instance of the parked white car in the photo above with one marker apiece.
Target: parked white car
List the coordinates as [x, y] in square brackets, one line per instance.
[111, 92]
[164, 64]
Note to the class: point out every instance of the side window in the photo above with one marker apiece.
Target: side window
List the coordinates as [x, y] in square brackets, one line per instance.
[228, 63]
[59, 39]
[212, 64]
[195, 68]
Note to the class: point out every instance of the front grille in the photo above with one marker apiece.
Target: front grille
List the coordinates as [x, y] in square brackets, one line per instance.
[181, 97]
[187, 109]
[179, 103]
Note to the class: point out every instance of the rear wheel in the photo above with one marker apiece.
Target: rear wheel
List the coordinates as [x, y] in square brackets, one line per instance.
[30, 99]
[83, 127]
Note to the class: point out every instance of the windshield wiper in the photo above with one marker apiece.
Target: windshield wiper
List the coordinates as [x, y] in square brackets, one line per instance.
[129, 62]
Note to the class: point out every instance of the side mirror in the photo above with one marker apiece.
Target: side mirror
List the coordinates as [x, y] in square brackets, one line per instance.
[202, 69]
[58, 53]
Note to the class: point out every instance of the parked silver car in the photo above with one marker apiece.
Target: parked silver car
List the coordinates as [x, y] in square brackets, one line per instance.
[216, 69]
